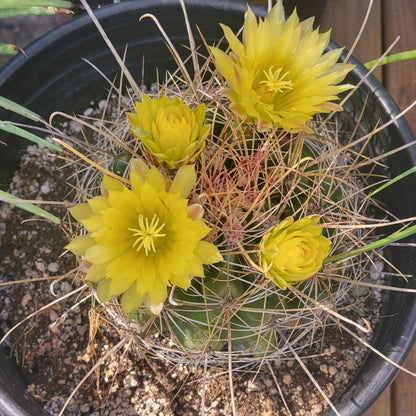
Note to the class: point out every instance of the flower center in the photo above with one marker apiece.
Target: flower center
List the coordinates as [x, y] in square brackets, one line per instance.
[273, 84]
[147, 233]
[170, 118]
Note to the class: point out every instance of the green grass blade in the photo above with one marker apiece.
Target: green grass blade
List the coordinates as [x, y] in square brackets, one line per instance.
[27, 135]
[11, 199]
[401, 56]
[394, 180]
[19, 109]
[17, 4]
[28, 11]
[374, 245]
[7, 49]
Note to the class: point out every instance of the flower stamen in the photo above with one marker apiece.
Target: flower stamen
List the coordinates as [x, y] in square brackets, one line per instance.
[147, 233]
[273, 84]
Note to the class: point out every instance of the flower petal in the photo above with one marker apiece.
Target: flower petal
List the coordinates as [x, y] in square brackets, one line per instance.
[79, 245]
[184, 181]
[131, 299]
[96, 272]
[103, 290]
[81, 211]
[208, 253]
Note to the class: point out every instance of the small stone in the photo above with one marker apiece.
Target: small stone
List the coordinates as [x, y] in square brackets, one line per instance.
[343, 375]
[361, 290]
[324, 368]
[316, 409]
[45, 188]
[53, 316]
[375, 269]
[331, 389]
[74, 126]
[4, 314]
[130, 380]
[332, 370]
[82, 330]
[88, 112]
[26, 298]
[53, 267]
[65, 287]
[102, 104]
[40, 266]
[251, 386]
[287, 379]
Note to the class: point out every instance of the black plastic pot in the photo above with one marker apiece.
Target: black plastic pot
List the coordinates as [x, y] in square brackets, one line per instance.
[54, 77]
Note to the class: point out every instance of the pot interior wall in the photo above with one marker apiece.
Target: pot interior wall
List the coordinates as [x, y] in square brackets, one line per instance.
[56, 77]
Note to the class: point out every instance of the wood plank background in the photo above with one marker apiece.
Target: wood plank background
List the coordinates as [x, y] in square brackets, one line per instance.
[388, 19]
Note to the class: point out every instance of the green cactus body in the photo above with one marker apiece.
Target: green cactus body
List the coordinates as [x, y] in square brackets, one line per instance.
[200, 320]
[252, 327]
[121, 162]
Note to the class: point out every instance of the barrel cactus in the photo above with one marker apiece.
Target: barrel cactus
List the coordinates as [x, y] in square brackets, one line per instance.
[219, 224]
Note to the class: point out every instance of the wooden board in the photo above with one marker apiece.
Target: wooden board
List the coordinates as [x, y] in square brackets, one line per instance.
[387, 20]
[399, 18]
[345, 19]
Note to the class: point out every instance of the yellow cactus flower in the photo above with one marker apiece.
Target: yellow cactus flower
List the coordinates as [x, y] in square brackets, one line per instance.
[279, 75]
[144, 239]
[293, 250]
[171, 132]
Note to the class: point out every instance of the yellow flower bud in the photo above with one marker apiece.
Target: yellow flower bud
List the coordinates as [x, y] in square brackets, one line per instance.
[292, 251]
[171, 132]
